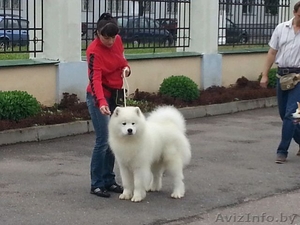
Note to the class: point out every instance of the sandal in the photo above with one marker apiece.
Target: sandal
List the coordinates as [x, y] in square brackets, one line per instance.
[115, 188]
[100, 192]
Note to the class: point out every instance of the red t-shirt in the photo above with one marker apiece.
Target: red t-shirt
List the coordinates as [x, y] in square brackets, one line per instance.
[105, 66]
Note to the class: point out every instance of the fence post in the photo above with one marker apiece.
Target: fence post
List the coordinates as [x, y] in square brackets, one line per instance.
[204, 39]
[62, 30]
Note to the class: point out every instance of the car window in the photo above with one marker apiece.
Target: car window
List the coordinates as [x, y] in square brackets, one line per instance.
[8, 24]
[134, 23]
[15, 24]
[143, 23]
[24, 24]
[230, 24]
[122, 22]
[2, 23]
[152, 24]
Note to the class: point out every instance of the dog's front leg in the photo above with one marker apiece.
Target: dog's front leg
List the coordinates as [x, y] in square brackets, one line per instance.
[141, 177]
[127, 181]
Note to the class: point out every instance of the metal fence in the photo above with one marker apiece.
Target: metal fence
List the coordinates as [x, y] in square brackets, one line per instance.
[143, 24]
[21, 26]
[250, 22]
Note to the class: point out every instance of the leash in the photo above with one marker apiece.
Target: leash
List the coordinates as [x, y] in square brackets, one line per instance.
[125, 83]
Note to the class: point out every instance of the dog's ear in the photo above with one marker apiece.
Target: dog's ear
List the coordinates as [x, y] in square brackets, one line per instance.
[138, 111]
[117, 111]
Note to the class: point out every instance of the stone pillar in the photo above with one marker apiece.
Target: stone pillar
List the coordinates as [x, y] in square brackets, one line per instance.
[61, 30]
[204, 39]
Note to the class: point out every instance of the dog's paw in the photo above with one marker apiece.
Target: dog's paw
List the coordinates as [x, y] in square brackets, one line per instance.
[125, 196]
[155, 189]
[177, 194]
[136, 198]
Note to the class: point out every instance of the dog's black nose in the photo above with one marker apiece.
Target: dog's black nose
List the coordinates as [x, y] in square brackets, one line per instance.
[129, 131]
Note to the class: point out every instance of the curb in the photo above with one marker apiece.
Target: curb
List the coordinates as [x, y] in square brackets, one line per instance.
[40, 133]
[227, 108]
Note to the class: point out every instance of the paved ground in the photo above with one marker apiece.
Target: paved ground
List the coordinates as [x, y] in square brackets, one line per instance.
[232, 174]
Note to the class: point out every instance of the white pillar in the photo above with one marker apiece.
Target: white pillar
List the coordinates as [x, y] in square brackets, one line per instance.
[204, 26]
[204, 32]
[62, 30]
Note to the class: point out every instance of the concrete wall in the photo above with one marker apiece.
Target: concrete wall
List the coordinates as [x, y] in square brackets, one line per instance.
[47, 83]
[39, 81]
[147, 75]
[234, 66]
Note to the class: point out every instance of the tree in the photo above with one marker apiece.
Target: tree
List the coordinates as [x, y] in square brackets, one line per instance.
[271, 6]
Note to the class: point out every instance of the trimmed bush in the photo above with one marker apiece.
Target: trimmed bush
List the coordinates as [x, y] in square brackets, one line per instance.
[180, 87]
[16, 105]
[272, 78]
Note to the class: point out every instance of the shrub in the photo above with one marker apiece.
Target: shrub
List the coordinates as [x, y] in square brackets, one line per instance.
[68, 101]
[272, 78]
[16, 105]
[145, 106]
[180, 87]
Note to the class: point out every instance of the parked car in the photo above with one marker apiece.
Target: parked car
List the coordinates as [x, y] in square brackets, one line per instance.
[235, 34]
[170, 24]
[143, 30]
[13, 31]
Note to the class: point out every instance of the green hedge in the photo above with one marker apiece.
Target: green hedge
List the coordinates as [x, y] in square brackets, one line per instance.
[16, 105]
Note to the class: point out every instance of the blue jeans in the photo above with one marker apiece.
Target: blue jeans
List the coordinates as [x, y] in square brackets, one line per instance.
[287, 104]
[103, 160]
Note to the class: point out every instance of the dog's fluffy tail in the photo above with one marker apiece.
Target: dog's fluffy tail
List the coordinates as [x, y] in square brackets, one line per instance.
[168, 114]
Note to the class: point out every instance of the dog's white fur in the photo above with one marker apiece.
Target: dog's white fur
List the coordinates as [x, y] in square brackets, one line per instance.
[296, 114]
[145, 148]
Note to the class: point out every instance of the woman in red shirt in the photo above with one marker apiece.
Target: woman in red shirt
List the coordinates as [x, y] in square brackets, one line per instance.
[106, 63]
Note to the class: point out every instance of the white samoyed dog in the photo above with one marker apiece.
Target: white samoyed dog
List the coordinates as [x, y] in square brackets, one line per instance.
[145, 148]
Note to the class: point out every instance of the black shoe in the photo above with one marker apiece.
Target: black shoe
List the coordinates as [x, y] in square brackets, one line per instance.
[280, 159]
[115, 188]
[100, 192]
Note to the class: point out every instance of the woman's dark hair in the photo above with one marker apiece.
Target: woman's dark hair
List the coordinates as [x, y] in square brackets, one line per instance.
[107, 26]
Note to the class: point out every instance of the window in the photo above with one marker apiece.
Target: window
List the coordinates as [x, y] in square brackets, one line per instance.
[248, 6]
[86, 5]
[10, 4]
[114, 6]
[172, 6]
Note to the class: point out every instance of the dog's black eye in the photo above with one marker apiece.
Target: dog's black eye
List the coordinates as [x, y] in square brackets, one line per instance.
[123, 124]
[133, 123]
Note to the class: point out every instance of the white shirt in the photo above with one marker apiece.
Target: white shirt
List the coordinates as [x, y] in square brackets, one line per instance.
[287, 42]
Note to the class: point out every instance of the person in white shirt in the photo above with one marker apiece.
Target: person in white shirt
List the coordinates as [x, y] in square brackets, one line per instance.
[285, 52]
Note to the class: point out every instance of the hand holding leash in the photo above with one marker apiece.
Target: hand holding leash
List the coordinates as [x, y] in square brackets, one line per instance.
[126, 73]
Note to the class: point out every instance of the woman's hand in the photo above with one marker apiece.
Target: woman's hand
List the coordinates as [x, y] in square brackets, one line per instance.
[105, 110]
[126, 72]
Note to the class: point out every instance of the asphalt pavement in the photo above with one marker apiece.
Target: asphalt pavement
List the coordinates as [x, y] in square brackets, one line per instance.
[232, 179]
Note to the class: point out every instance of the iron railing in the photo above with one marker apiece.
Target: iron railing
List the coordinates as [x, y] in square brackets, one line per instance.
[21, 26]
[143, 23]
[250, 22]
